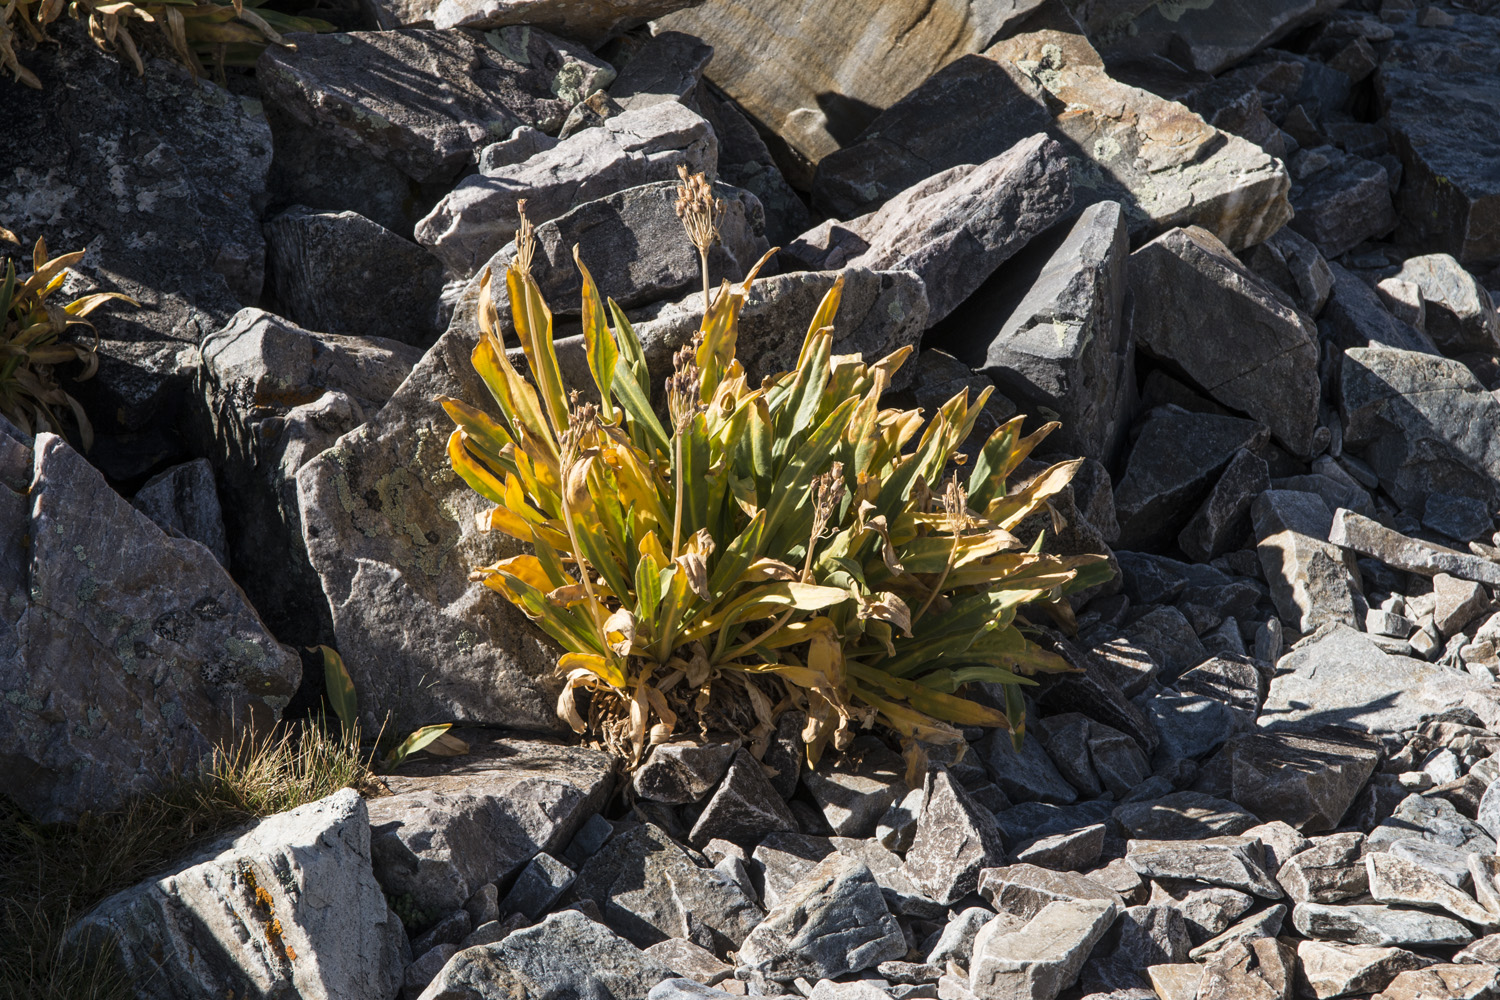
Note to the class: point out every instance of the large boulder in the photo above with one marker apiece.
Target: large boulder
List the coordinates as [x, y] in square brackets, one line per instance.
[1155, 157]
[163, 178]
[1047, 329]
[424, 101]
[479, 216]
[126, 655]
[286, 908]
[1232, 334]
[955, 227]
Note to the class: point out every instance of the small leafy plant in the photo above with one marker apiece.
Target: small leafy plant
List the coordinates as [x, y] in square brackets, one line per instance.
[787, 546]
[31, 343]
[345, 701]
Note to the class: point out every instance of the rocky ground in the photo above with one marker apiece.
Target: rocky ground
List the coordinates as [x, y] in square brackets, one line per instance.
[1244, 252]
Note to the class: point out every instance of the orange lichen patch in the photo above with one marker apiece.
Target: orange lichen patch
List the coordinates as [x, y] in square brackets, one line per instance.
[265, 906]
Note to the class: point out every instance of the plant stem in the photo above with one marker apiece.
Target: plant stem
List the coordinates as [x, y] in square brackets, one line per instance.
[677, 513]
[703, 259]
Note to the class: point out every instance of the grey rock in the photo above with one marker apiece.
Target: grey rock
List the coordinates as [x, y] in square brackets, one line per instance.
[184, 503]
[1458, 602]
[1331, 970]
[1483, 950]
[1294, 265]
[1170, 639]
[1184, 816]
[782, 859]
[1396, 880]
[1172, 467]
[744, 808]
[1175, 171]
[1142, 936]
[1065, 737]
[1194, 38]
[1404, 300]
[955, 838]
[591, 22]
[1412, 555]
[456, 91]
[1447, 863]
[1312, 582]
[457, 823]
[1434, 819]
[420, 973]
[1117, 759]
[126, 654]
[1383, 926]
[449, 931]
[831, 923]
[1340, 200]
[679, 773]
[1461, 982]
[1233, 862]
[1045, 956]
[745, 161]
[1047, 329]
[855, 788]
[1267, 369]
[484, 905]
[1355, 317]
[650, 889]
[1304, 780]
[1424, 423]
[1027, 774]
[1261, 966]
[478, 217]
[185, 243]
[540, 884]
[1191, 725]
[686, 989]
[591, 112]
[1342, 678]
[339, 272]
[1265, 924]
[1484, 874]
[1463, 518]
[1488, 815]
[956, 942]
[1023, 890]
[1223, 521]
[955, 227]
[520, 146]
[669, 67]
[289, 904]
[1460, 317]
[273, 396]
[690, 961]
[902, 893]
[1208, 910]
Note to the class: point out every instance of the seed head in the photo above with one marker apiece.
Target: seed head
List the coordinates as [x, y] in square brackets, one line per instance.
[525, 239]
[698, 209]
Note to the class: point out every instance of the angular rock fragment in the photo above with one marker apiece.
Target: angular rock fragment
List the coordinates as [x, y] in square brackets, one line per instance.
[1023, 890]
[782, 859]
[679, 773]
[954, 228]
[1265, 924]
[1340, 200]
[1396, 880]
[1451, 982]
[1330, 871]
[855, 788]
[690, 961]
[591, 22]
[1309, 782]
[478, 217]
[1457, 603]
[1233, 862]
[1209, 42]
[955, 839]
[957, 940]
[1223, 521]
[744, 808]
[1313, 583]
[1330, 970]
[1076, 850]
[1208, 910]
[1384, 926]
[1027, 774]
[424, 101]
[184, 502]
[1045, 956]
[540, 884]
[1433, 819]
[1413, 555]
[1460, 316]
[1184, 816]
[1294, 265]
[289, 905]
[1267, 369]
[1355, 317]
[1260, 967]
[1142, 936]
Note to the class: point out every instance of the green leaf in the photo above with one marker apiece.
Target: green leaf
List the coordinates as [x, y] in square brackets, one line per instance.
[416, 741]
[340, 687]
[637, 406]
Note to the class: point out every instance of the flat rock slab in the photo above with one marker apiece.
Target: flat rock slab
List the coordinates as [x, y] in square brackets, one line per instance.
[1232, 862]
[425, 101]
[1044, 957]
[126, 655]
[1304, 780]
[288, 907]
[1158, 159]
[1184, 816]
[1413, 555]
[455, 824]
[1383, 926]
[1329, 969]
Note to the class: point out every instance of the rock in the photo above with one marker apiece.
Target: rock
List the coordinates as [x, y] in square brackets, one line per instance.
[1163, 163]
[1142, 936]
[1044, 957]
[818, 86]
[1233, 862]
[478, 217]
[1434, 819]
[455, 824]
[955, 227]
[903, 895]
[474, 89]
[1223, 521]
[186, 243]
[1263, 967]
[1307, 781]
[184, 503]
[650, 889]
[1041, 819]
[1267, 370]
[1447, 863]
[1355, 317]
[1265, 924]
[1342, 678]
[1184, 816]
[1047, 329]
[1460, 317]
[1178, 981]
[1396, 880]
[1312, 582]
[1294, 265]
[1378, 925]
[1330, 871]
[289, 904]
[591, 112]
[1072, 851]
[1175, 461]
[1482, 950]
[855, 788]
[420, 973]
[339, 272]
[450, 930]
[957, 939]
[745, 808]
[540, 884]
[1404, 300]
[1193, 38]
[1117, 759]
[679, 773]
[128, 655]
[590, 22]
[1451, 982]
[668, 67]
[954, 840]
[1191, 725]
[1461, 518]
[1208, 910]
[1335, 970]
[690, 961]
[833, 922]
[1458, 602]
[1424, 423]
[1340, 200]
[1027, 774]
[782, 859]
[881, 312]
[1170, 639]
[1413, 555]
[1023, 890]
